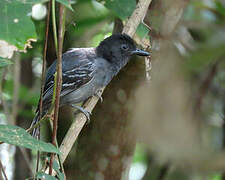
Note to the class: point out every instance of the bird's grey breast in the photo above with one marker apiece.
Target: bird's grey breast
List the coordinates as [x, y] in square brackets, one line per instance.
[103, 73]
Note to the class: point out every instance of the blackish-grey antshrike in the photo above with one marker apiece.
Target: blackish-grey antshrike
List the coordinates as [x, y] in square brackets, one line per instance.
[86, 70]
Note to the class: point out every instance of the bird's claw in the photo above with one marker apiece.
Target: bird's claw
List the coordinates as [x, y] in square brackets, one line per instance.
[99, 95]
[84, 111]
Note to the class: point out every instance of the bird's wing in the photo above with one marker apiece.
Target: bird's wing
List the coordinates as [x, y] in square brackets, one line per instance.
[77, 70]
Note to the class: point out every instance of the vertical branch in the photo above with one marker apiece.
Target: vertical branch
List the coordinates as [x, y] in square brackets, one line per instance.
[43, 71]
[4, 103]
[16, 86]
[61, 31]
[44, 58]
[54, 25]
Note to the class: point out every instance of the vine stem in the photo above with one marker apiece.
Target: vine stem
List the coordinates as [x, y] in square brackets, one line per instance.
[43, 75]
[59, 47]
[54, 26]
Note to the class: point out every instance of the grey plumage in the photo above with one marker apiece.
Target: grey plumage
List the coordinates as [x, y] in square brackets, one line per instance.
[86, 70]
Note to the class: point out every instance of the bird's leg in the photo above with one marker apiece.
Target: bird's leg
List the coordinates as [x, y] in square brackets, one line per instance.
[84, 111]
[98, 94]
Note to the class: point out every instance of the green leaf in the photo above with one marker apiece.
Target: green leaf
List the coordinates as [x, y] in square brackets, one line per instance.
[16, 26]
[4, 62]
[142, 30]
[86, 23]
[19, 137]
[140, 154]
[56, 168]
[42, 175]
[121, 8]
[220, 8]
[216, 176]
[60, 176]
[66, 3]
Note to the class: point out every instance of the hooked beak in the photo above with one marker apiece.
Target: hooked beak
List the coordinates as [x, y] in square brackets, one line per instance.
[140, 52]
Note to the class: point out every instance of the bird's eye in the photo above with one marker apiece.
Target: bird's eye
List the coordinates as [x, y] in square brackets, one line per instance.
[124, 46]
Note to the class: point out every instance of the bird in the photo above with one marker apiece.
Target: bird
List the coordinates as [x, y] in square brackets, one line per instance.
[85, 71]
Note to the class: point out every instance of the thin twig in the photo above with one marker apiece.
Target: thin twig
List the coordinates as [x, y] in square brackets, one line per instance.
[43, 74]
[54, 25]
[60, 162]
[2, 170]
[1, 175]
[44, 118]
[62, 14]
[44, 58]
[205, 86]
[145, 43]
[72, 134]
[56, 48]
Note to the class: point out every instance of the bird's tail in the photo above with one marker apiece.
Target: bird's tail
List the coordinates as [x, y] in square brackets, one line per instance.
[36, 130]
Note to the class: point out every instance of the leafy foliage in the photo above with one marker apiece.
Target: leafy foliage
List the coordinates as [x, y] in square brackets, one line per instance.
[19, 137]
[16, 26]
[59, 174]
[120, 8]
[142, 30]
[45, 176]
[56, 168]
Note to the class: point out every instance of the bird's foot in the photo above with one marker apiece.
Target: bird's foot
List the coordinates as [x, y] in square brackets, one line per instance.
[99, 94]
[84, 111]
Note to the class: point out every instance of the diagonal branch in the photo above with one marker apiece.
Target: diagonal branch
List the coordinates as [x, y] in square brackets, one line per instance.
[205, 86]
[137, 17]
[3, 171]
[79, 122]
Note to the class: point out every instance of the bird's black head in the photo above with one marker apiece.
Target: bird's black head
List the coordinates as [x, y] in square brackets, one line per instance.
[118, 48]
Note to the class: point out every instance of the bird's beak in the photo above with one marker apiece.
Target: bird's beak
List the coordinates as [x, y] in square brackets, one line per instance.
[140, 52]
